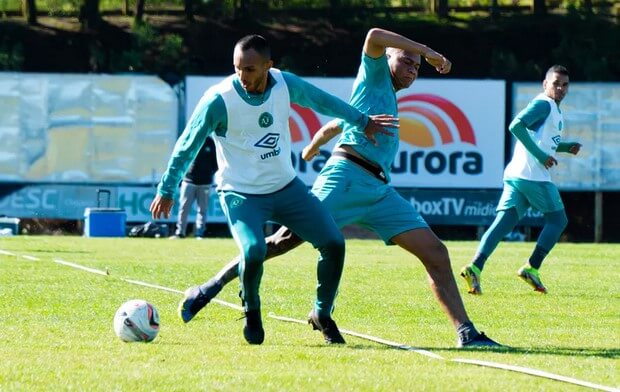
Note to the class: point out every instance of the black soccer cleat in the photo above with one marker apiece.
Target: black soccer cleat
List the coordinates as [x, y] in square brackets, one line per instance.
[195, 299]
[253, 331]
[328, 328]
[480, 340]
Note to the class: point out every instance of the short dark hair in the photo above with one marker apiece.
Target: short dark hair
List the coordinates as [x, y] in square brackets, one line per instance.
[557, 69]
[256, 42]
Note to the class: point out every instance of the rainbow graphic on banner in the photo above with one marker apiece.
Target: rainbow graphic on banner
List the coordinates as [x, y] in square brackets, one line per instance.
[303, 121]
[428, 120]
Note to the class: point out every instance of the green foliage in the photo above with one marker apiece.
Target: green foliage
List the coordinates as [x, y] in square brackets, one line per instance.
[57, 321]
[144, 35]
[513, 46]
[148, 52]
[522, 47]
[504, 64]
[11, 55]
[582, 47]
[60, 7]
[171, 49]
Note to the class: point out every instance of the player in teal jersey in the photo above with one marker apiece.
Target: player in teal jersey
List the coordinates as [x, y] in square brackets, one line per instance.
[247, 114]
[354, 183]
[527, 182]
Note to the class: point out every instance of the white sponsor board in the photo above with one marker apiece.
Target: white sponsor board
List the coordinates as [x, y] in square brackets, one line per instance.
[452, 131]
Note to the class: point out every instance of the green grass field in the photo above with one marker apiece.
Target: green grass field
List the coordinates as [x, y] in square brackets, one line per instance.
[56, 321]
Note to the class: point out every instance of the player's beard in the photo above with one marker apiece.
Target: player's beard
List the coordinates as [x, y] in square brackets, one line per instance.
[254, 87]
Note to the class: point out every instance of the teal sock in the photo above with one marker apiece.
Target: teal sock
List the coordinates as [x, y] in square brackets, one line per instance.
[555, 222]
[329, 271]
[479, 260]
[503, 224]
[537, 257]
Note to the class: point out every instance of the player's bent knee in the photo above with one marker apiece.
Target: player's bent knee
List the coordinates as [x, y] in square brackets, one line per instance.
[334, 248]
[437, 257]
[255, 253]
[281, 242]
[557, 219]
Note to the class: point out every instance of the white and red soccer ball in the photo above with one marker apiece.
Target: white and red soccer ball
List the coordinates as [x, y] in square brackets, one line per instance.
[136, 321]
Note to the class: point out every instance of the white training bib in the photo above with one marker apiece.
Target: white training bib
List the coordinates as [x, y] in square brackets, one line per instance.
[523, 164]
[254, 156]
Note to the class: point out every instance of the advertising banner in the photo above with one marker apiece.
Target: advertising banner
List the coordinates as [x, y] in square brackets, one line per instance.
[461, 207]
[451, 131]
[66, 201]
[438, 207]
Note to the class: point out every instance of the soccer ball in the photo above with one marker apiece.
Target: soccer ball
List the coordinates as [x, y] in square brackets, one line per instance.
[136, 321]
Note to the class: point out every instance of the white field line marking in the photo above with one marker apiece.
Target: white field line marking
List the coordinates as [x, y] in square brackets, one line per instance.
[224, 303]
[533, 372]
[87, 269]
[31, 258]
[154, 286]
[536, 372]
[138, 282]
[6, 252]
[366, 337]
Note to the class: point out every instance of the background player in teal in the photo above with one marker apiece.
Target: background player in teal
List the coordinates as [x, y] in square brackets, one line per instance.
[248, 115]
[527, 181]
[354, 183]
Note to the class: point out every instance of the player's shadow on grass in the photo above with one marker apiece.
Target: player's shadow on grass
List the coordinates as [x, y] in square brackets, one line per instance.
[612, 353]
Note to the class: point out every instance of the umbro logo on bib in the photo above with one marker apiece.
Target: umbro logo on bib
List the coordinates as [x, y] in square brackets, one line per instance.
[270, 140]
[265, 120]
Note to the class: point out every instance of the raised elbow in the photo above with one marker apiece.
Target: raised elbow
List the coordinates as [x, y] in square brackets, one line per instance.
[373, 34]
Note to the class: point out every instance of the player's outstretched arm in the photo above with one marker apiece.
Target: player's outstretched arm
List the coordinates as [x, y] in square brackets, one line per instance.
[323, 135]
[377, 40]
[380, 123]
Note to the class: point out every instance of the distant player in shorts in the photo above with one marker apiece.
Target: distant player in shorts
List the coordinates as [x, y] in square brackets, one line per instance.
[527, 182]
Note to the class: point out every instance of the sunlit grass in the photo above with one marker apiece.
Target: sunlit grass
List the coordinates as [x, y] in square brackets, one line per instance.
[56, 322]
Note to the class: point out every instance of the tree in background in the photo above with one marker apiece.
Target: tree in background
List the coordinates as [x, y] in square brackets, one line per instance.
[240, 10]
[89, 15]
[189, 10]
[139, 17]
[540, 8]
[439, 7]
[29, 10]
[494, 11]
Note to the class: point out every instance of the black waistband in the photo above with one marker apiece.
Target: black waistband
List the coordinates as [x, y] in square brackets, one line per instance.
[375, 170]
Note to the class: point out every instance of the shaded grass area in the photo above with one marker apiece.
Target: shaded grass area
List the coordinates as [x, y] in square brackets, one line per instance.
[56, 322]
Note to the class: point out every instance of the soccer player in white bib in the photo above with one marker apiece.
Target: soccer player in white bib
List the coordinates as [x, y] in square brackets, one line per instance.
[527, 181]
[354, 184]
[247, 115]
